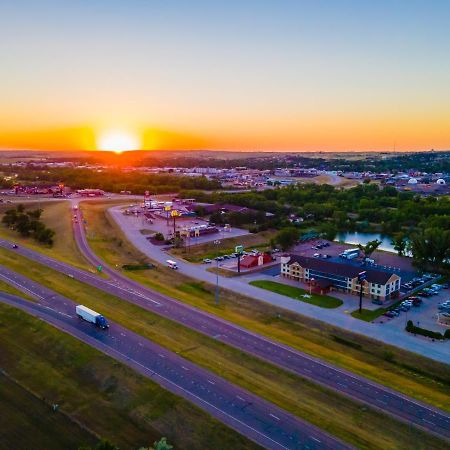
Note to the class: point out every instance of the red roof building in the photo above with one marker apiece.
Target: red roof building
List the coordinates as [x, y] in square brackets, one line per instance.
[249, 261]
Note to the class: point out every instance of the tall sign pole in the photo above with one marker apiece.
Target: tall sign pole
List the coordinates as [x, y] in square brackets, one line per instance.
[361, 278]
[239, 250]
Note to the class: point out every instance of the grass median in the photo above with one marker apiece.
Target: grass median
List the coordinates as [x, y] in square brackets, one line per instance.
[104, 396]
[360, 426]
[324, 301]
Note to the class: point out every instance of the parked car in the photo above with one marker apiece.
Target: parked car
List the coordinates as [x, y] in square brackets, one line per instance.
[389, 314]
[207, 261]
[445, 286]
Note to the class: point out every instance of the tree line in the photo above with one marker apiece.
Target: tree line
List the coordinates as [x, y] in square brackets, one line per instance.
[113, 180]
[28, 223]
[416, 224]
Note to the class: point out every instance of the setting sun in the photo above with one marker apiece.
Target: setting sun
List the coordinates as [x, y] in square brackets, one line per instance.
[118, 141]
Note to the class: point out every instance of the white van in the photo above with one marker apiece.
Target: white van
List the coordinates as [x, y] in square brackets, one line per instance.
[172, 264]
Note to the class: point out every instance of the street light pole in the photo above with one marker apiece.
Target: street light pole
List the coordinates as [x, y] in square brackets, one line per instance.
[310, 285]
[217, 242]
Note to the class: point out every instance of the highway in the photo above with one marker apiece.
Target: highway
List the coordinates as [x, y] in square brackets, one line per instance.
[359, 388]
[260, 421]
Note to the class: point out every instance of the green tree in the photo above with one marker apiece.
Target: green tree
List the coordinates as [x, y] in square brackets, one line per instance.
[287, 237]
[369, 248]
[329, 231]
[431, 248]
[162, 444]
[400, 243]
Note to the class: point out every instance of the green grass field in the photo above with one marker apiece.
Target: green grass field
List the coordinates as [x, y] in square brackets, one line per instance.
[57, 215]
[412, 374]
[335, 413]
[324, 301]
[110, 399]
[29, 422]
[5, 287]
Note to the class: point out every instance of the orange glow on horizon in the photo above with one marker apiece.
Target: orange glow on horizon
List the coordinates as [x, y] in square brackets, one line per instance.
[118, 141]
[317, 134]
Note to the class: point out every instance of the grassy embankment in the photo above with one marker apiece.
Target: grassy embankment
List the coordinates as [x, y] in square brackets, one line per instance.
[324, 301]
[412, 374]
[335, 413]
[106, 397]
[58, 217]
[29, 422]
[196, 253]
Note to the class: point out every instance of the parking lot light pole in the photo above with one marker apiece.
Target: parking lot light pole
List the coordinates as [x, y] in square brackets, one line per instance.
[310, 285]
[217, 242]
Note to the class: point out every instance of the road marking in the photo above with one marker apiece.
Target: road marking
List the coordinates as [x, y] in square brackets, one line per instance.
[315, 439]
[240, 398]
[185, 368]
[162, 356]
[274, 416]
[211, 382]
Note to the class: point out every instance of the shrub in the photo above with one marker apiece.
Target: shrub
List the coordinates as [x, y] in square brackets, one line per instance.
[423, 332]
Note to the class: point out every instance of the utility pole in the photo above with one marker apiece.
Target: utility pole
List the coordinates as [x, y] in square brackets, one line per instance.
[217, 242]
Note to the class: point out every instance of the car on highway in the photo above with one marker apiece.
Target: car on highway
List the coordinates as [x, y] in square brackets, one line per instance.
[15, 246]
[207, 261]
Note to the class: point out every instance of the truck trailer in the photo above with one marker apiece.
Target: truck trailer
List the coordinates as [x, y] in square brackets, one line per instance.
[91, 316]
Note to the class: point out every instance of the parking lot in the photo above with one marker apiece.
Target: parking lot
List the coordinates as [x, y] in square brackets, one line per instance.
[159, 224]
[422, 308]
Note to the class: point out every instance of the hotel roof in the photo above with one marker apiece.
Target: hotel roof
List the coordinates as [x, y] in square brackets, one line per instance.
[341, 269]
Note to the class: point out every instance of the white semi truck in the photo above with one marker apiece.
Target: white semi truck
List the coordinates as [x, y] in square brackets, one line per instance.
[91, 316]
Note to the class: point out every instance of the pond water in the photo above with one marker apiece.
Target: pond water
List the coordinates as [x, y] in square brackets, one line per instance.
[363, 238]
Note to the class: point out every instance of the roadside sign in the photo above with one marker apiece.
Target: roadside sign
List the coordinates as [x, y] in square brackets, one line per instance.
[167, 208]
[239, 248]
[99, 268]
[362, 275]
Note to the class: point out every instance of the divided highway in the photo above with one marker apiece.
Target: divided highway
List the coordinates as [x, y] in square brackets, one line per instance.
[257, 419]
[357, 387]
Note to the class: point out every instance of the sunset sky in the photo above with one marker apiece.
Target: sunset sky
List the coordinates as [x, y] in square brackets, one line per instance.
[240, 75]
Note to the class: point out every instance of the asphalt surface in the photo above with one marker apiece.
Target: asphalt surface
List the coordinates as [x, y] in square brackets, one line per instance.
[358, 388]
[260, 421]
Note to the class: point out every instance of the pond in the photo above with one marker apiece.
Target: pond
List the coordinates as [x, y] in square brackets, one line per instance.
[363, 238]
